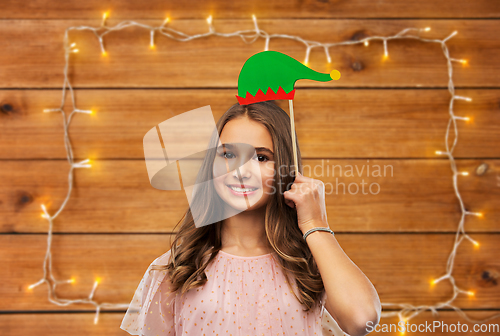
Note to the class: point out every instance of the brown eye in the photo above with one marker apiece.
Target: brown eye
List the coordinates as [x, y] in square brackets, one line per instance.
[262, 156]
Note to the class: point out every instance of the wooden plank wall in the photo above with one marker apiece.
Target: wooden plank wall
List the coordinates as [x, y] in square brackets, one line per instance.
[392, 112]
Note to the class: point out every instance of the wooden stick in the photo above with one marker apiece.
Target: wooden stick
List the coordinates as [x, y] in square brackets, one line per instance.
[292, 124]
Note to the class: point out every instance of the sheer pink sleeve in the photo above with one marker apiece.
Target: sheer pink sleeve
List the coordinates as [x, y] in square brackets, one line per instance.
[151, 311]
[323, 300]
[328, 323]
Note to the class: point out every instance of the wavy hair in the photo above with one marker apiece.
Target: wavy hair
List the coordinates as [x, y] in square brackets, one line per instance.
[195, 247]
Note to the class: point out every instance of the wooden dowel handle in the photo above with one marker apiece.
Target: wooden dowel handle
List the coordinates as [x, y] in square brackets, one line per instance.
[292, 125]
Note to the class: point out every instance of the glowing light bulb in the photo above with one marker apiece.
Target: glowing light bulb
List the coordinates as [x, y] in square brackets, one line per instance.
[152, 39]
[104, 53]
[105, 15]
[470, 293]
[440, 153]
[403, 331]
[75, 50]
[209, 19]
[253, 17]
[97, 280]
[166, 21]
[427, 29]
[476, 244]
[72, 280]
[366, 43]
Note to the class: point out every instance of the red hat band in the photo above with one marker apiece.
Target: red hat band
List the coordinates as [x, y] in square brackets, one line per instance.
[270, 95]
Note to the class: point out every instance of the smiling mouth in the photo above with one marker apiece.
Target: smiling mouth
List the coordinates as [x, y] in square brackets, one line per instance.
[241, 190]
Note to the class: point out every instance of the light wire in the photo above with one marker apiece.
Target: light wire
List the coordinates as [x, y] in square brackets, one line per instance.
[407, 311]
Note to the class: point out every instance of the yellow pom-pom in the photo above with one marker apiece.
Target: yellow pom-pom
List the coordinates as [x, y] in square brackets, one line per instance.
[335, 74]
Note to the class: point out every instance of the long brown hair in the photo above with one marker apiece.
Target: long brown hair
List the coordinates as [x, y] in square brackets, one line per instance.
[195, 247]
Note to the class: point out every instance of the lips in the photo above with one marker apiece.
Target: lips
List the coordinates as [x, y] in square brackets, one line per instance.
[246, 186]
[241, 192]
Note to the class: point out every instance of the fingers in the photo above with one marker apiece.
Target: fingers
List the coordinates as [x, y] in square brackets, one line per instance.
[290, 198]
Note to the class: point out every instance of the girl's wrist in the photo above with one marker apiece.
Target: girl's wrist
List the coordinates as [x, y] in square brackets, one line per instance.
[321, 229]
[312, 225]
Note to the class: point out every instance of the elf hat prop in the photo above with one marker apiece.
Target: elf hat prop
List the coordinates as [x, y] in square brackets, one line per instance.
[271, 75]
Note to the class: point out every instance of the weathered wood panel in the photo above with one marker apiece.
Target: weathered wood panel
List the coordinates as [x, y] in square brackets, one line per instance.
[34, 57]
[400, 238]
[47, 9]
[374, 123]
[80, 324]
[399, 265]
[115, 196]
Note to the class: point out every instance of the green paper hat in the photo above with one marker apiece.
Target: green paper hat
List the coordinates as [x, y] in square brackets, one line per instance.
[271, 75]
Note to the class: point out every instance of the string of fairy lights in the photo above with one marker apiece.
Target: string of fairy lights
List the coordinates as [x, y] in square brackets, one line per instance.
[407, 311]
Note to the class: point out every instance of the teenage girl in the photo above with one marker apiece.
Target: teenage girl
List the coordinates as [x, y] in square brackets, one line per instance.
[254, 273]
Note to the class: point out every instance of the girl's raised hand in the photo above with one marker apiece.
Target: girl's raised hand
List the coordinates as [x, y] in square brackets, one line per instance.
[307, 196]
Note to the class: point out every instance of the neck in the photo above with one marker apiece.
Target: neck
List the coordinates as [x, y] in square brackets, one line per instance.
[245, 232]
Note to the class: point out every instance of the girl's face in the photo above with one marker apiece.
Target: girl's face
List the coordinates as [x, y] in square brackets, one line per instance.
[249, 186]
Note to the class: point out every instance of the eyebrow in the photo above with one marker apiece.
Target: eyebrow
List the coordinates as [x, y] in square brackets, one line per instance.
[263, 149]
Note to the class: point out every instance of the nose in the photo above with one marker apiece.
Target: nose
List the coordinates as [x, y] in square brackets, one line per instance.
[243, 172]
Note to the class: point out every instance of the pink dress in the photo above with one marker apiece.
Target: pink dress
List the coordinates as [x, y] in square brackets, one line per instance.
[243, 296]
